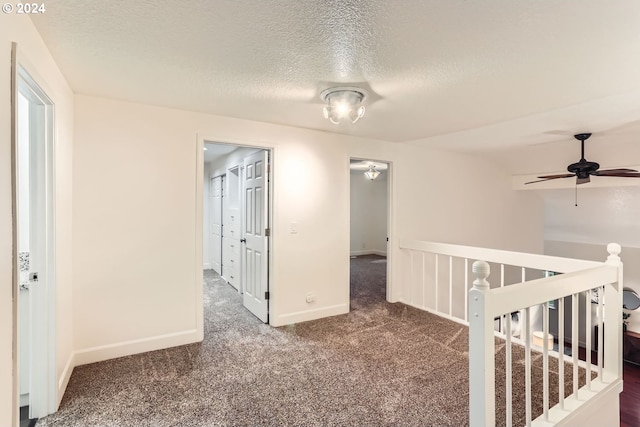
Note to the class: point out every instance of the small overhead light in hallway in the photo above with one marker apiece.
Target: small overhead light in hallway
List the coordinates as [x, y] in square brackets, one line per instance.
[343, 102]
[372, 173]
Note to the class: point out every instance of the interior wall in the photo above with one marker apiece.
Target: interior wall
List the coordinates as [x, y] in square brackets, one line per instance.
[368, 211]
[18, 28]
[598, 252]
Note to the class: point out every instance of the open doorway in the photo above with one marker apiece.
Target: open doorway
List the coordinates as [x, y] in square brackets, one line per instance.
[36, 388]
[369, 231]
[236, 234]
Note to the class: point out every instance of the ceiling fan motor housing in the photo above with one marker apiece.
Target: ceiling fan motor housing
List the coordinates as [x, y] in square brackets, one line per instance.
[583, 168]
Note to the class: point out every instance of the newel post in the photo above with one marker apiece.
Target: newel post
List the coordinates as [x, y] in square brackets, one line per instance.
[481, 350]
[613, 317]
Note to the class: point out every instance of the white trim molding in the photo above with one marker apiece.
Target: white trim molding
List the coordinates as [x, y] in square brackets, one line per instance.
[128, 348]
[306, 315]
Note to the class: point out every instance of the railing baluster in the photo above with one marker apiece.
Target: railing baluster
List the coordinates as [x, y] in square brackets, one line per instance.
[527, 363]
[450, 286]
[545, 360]
[436, 283]
[466, 290]
[600, 330]
[412, 281]
[503, 318]
[508, 371]
[424, 282]
[561, 352]
[575, 310]
[587, 337]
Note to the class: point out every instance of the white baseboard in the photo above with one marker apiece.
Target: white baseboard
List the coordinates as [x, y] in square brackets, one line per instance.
[127, 348]
[63, 381]
[368, 252]
[304, 316]
[206, 266]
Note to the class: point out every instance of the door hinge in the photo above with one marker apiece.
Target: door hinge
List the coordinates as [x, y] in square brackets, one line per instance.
[266, 295]
[267, 232]
[269, 168]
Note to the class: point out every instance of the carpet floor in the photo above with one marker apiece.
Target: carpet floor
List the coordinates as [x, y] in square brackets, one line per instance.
[380, 365]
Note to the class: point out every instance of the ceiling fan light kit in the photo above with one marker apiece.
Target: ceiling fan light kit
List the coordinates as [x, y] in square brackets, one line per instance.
[584, 169]
[343, 102]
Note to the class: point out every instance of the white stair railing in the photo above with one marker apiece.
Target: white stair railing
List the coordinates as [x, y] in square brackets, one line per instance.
[438, 281]
[485, 304]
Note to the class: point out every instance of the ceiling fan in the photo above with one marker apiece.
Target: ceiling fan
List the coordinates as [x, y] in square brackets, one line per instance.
[583, 169]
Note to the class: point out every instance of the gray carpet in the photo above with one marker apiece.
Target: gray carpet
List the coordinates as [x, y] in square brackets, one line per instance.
[380, 365]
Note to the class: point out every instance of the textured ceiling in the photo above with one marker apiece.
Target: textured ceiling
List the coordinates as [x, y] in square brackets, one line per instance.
[480, 75]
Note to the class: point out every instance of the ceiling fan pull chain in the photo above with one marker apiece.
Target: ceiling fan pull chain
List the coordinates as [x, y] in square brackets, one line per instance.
[576, 194]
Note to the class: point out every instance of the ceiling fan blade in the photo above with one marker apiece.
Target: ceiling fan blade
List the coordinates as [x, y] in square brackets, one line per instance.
[606, 171]
[613, 172]
[550, 177]
[562, 175]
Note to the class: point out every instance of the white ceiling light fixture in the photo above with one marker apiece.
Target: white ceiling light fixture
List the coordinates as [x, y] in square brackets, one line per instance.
[343, 102]
[372, 173]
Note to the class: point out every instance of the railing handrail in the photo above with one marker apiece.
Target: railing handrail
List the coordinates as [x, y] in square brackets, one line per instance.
[534, 292]
[520, 259]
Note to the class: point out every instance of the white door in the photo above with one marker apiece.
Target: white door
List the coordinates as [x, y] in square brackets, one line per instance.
[35, 244]
[255, 205]
[216, 224]
[24, 225]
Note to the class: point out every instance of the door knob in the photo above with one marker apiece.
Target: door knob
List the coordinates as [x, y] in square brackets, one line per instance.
[243, 240]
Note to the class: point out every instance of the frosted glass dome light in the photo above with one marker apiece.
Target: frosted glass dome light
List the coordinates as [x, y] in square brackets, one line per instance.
[343, 102]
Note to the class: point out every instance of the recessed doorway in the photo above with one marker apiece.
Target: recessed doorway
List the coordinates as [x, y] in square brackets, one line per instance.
[236, 213]
[369, 230]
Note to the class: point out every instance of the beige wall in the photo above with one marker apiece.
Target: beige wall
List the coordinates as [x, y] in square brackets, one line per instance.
[36, 58]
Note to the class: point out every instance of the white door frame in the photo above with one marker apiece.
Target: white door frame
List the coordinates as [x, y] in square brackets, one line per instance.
[43, 385]
[198, 273]
[392, 293]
